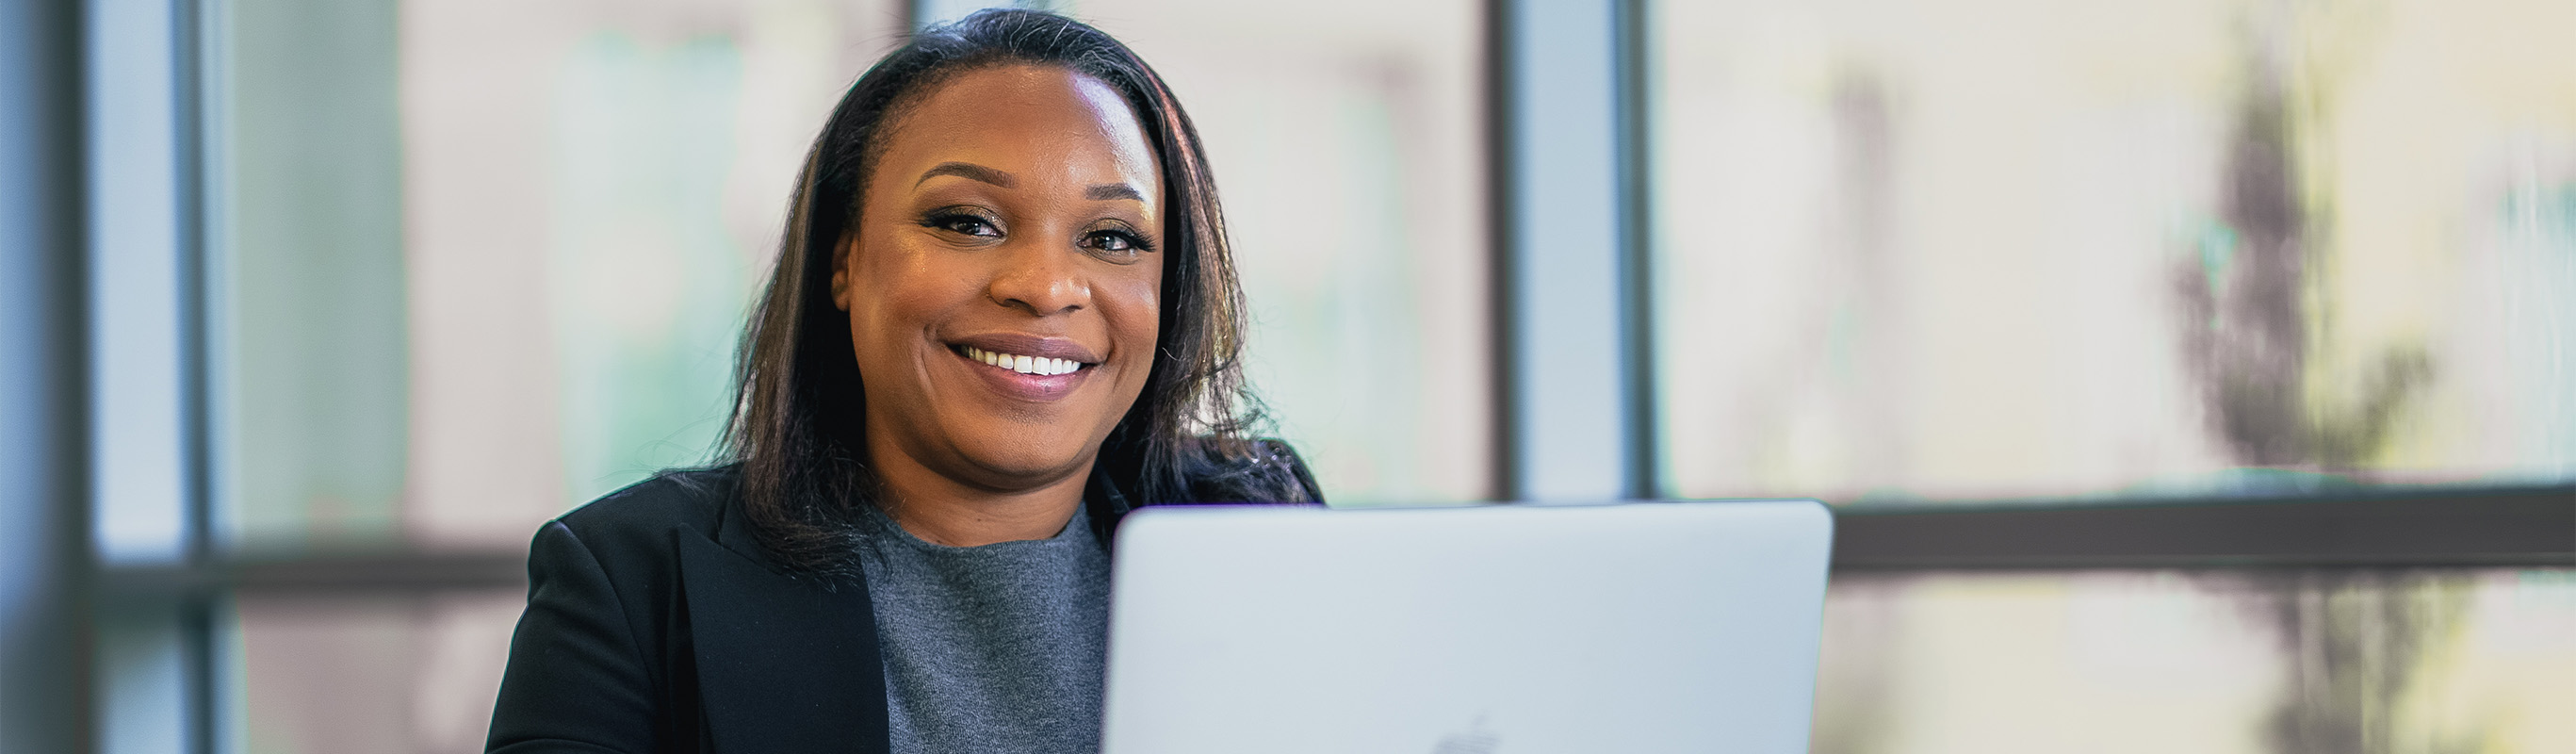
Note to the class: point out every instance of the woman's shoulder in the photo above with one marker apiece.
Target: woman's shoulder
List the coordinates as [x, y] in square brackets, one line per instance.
[1251, 471]
[646, 512]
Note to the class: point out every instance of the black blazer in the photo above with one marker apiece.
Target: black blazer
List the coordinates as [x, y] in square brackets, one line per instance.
[656, 623]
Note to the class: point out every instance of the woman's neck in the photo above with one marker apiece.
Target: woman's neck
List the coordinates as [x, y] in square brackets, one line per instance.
[943, 511]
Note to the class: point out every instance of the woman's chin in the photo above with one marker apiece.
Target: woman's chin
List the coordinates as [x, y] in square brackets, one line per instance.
[1016, 468]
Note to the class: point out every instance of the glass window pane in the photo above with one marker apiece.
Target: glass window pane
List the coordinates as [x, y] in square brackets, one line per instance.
[382, 673]
[1981, 249]
[2339, 660]
[486, 260]
[1348, 141]
[306, 220]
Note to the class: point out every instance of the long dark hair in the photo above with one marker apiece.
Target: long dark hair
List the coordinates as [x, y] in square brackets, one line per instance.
[797, 427]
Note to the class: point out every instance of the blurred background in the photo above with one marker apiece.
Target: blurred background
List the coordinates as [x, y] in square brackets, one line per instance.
[372, 288]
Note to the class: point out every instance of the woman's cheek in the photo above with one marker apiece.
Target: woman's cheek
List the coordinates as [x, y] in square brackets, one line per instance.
[916, 291]
[1138, 319]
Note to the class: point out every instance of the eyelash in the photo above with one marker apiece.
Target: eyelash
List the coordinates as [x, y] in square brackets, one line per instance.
[949, 219]
[1134, 242]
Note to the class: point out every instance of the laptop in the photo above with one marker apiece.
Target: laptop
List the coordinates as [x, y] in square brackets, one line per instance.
[1506, 629]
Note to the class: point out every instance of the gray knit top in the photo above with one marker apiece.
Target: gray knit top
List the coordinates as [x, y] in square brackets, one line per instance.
[998, 648]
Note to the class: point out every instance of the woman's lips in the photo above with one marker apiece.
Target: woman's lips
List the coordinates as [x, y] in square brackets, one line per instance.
[1022, 363]
[1022, 344]
[1025, 376]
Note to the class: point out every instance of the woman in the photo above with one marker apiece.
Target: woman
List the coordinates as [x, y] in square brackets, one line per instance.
[1004, 315]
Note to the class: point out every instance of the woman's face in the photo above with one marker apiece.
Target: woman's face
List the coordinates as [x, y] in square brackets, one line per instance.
[1003, 282]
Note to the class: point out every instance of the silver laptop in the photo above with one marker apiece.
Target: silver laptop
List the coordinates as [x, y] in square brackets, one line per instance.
[1513, 629]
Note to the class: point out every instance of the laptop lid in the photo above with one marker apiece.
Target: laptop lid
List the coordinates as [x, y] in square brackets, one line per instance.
[1521, 629]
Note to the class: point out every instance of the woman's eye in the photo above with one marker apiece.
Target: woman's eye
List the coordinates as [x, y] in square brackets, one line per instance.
[1115, 245]
[964, 224]
[1106, 241]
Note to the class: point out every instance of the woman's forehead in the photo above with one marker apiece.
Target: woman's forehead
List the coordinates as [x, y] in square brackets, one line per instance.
[1035, 123]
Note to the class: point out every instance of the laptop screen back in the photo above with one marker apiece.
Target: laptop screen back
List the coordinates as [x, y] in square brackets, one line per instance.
[1643, 627]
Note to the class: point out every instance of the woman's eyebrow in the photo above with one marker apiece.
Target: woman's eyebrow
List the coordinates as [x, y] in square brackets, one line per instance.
[969, 171]
[1108, 191]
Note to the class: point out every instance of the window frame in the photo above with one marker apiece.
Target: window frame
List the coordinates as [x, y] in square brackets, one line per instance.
[179, 604]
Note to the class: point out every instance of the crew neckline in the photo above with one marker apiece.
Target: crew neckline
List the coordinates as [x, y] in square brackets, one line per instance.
[887, 528]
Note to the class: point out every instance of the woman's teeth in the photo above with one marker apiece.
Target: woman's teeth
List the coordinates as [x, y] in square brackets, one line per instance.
[1038, 365]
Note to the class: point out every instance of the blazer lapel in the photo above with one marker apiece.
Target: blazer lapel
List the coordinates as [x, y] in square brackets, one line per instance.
[783, 665]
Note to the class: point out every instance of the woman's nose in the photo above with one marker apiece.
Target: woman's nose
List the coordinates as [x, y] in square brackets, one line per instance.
[1042, 276]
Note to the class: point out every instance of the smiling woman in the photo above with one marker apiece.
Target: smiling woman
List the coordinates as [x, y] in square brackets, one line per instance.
[1004, 316]
[1003, 223]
